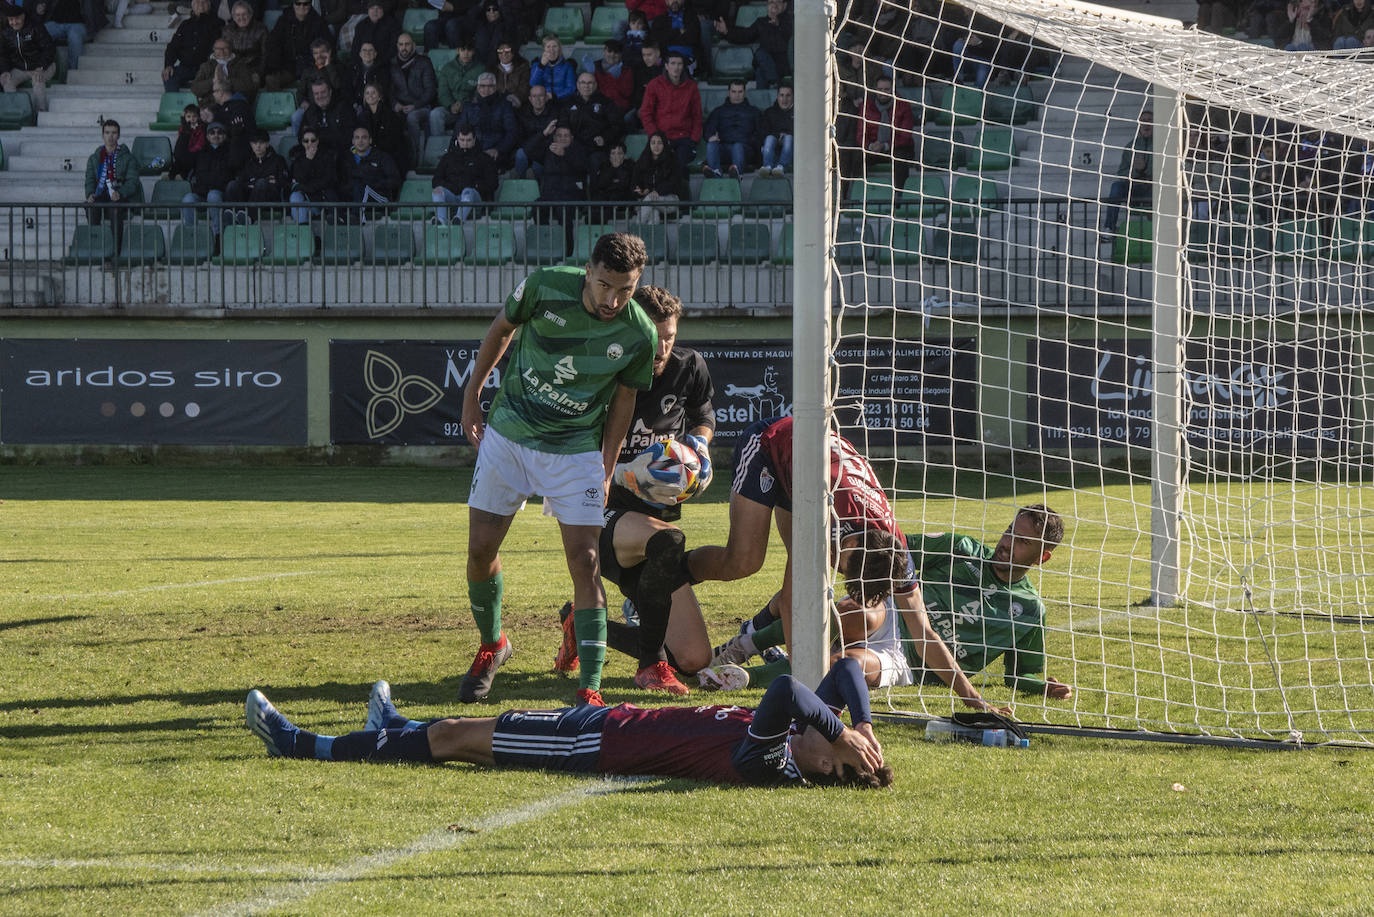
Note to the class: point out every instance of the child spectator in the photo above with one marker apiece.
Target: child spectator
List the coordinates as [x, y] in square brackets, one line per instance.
[614, 79]
[190, 141]
[659, 177]
[262, 178]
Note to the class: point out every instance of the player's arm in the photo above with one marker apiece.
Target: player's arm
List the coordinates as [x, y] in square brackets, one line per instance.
[618, 417]
[1025, 663]
[787, 700]
[488, 355]
[844, 686]
[936, 655]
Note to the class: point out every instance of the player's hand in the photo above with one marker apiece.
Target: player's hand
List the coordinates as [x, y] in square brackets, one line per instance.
[1056, 689]
[853, 749]
[629, 475]
[474, 425]
[703, 451]
[866, 730]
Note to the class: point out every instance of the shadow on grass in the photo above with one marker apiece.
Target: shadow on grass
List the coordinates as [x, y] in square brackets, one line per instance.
[34, 622]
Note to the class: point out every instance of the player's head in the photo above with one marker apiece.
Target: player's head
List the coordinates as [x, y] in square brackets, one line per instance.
[664, 309]
[613, 273]
[869, 561]
[815, 759]
[1028, 542]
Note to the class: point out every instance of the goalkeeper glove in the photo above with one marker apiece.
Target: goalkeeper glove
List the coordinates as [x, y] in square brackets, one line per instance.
[700, 447]
[637, 477]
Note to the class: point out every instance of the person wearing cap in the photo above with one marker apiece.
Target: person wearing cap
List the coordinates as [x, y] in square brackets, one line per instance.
[457, 85]
[288, 47]
[414, 91]
[216, 165]
[512, 74]
[489, 29]
[27, 54]
[492, 120]
[261, 179]
[111, 178]
[380, 29]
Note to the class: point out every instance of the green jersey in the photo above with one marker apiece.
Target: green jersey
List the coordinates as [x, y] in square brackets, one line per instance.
[565, 364]
[978, 615]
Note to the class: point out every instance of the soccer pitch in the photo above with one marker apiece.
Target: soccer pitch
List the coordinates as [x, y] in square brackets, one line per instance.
[142, 603]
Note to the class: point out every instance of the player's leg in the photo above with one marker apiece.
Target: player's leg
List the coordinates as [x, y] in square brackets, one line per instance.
[653, 549]
[687, 640]
[589, 605]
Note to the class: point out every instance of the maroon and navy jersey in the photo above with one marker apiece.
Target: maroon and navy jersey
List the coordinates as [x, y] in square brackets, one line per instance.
[711, 742]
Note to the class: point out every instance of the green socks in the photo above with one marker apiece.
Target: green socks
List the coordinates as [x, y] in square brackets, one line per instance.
[764, 637]
[590, 626]
[486, 607]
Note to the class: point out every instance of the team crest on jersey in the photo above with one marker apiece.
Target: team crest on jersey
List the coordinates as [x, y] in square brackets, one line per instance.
[520, 290]
[564, 371]
[615, 351]
[667, 404]
[765, 480]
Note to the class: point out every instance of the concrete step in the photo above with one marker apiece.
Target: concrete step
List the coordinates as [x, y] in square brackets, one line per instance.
[127, 117]
[73, 160]
[144, 77]
[56, 187]
[115, 91]
[119, 57]
[153, 37]
[96, 105]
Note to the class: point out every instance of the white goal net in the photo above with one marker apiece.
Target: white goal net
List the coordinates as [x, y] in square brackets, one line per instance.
[1105, 262]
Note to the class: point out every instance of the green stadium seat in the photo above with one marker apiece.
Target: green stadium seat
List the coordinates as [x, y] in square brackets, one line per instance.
[905, 244]
[1017, 106]
[493, 244]
[143, 245]
[959, 104]
[923, 197]
[392, 245]
[435, 148]
[711, 97]
[441, 57]
[784, 255]
[270, 17]
[91, 245]
[994, 151]
[274, 109]
[584, 239]
[419, 194]
[191, 245]
[545, 244]
[731, 62]
[341, 245]
[165, 203]
[605, 20]
[718, 199]
[16, 111]
[443, 245]
[957, 242]
[761, 98]
[169, 110]
[655, 237]
[877, 197]
[285, 144]
[849, 243]
[972, 195]
[747, 13]
[635, 144]
[940, 148]
[769, 191]
[292, 244]
[240, 246]
[566, 22]
[750, 243]
[1136, 245]
[414, 23]
[517, 194]
[154, 154]
[697, 243]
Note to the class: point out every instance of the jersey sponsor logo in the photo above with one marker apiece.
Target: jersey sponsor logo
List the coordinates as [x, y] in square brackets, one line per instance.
[614, 352]
[560, 322]
[641, 437]
[549, 394]
[564, 371]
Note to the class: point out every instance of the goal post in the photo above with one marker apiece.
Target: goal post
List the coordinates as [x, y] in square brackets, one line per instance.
[1032, 293]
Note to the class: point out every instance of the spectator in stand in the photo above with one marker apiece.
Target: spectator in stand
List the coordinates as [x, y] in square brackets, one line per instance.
[1306, 28]
[66, 25]
[464, 174]
[614, 79]
[594, 120]
[492, 121]
[512, 76]
[1135, 173]
[288, 45]
[1218, 16]
[216, 165]
[381, 29]
[490, 31]
[262, 178]
[659, 177]
[190, 141]
[27, 52]
[444, 29]
[386, 129]
[414, 91]
[330, 116]
[634, 35]
[649, 9]
[776, 129]
[733, 127]
[672, 105]
[111, 178]
[1352, 20]
[679, 30]
[314, 175]
[372, 175]
[367, 68]
[323, 66]
[336, 14]
[886, 129]
[647, 66]
[457, 86]
[233, 111]
[535, 124]
[552, 71]
[525, 17]
[614, 181]
[224, 68]
[190, 46]
[771, 36]
[564, 179]
[247, 37]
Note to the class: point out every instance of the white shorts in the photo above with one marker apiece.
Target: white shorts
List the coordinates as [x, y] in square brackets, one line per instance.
[508, 474]
[886, 644]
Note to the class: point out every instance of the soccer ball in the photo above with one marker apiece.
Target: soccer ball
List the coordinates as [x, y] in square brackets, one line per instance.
[673, 473]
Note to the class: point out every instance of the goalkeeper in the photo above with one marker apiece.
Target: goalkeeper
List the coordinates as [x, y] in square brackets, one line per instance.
[641, 550]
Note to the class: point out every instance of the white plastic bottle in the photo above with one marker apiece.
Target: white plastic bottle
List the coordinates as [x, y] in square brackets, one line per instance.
[944, 730]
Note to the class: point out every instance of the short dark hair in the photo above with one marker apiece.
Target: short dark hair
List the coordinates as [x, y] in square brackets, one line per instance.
[880, 560]
[321, 43]
[1048, 523]
[614, 44]
[859, 780]
[111, 122]
[658, 303]
[465, 42]
[620, 252]
[733, 83]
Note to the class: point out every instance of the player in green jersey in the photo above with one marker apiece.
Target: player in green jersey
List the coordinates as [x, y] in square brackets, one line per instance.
[554, 429]
[978, 600]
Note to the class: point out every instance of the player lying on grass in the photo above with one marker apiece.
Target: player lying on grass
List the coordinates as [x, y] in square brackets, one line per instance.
[977, 598]
[641, 550]
[872, 554]
[554, 429]
[794, 736]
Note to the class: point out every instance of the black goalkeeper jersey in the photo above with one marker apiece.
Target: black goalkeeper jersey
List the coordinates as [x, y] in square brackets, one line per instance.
[678, 401]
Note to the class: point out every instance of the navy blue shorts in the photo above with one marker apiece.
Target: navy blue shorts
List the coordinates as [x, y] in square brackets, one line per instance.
[553, 740]
[755, 477]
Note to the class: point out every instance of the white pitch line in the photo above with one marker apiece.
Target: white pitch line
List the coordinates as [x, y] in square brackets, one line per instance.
[135, 864]
[199, 584]
[433, 842]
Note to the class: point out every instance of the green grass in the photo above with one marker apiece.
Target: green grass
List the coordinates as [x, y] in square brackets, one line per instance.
[142, 603]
